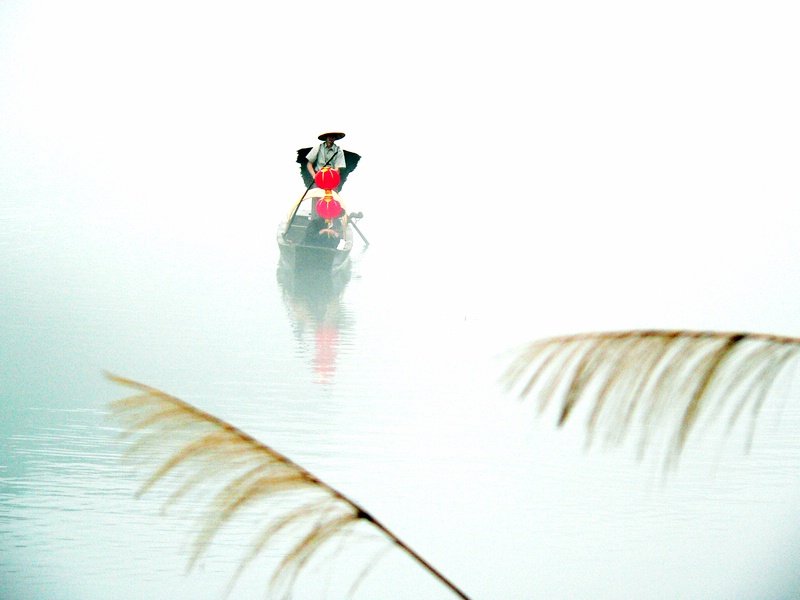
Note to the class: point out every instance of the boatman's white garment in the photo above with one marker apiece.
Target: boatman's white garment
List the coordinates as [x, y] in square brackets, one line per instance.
[319, 157]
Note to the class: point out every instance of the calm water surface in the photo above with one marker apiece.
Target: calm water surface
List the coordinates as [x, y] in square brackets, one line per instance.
[383, 384]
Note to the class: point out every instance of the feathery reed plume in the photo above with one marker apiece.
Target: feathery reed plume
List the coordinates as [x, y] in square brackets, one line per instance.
[192, 450]
[658, 379]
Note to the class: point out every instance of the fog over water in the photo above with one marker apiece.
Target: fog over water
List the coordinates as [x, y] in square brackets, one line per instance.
[527, 171]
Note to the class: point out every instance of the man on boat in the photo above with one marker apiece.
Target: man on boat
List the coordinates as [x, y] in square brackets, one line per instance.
[326, 154]
[312, 160]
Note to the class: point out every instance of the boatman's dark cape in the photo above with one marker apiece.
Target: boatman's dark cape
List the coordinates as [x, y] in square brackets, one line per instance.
[350, 158]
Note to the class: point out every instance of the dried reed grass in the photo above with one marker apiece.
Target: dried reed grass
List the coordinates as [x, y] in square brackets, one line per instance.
[656, 381]
[195, 451]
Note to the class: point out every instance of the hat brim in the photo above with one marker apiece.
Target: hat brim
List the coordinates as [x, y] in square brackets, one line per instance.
[337, 135]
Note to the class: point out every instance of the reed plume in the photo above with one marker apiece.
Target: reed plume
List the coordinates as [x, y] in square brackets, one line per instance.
[658, 381]
[195, 451]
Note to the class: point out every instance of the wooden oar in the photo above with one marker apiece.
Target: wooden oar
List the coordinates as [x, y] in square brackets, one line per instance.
[293, 212]
[352, 218]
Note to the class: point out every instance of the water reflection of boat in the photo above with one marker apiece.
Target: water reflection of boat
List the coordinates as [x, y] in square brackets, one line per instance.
[311, 243]
[313, 298]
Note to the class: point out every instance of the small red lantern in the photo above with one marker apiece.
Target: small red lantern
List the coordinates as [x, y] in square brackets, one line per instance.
[327, 179]
[328, 208]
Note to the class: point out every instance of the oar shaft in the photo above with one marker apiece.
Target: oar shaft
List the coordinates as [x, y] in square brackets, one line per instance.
[359, 232]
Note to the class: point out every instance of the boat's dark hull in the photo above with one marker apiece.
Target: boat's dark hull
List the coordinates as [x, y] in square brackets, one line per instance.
[295, 254]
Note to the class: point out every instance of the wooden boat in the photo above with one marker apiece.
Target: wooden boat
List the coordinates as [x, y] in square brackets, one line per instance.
[302, 247]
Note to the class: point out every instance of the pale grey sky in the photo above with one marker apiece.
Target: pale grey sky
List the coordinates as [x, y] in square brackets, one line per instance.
[652, 145]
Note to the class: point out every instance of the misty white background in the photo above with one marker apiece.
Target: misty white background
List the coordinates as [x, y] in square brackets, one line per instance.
[646, 154]
[528, 170]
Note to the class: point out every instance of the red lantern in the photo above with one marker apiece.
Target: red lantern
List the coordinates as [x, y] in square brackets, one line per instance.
[327, 179]
[328, 208]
